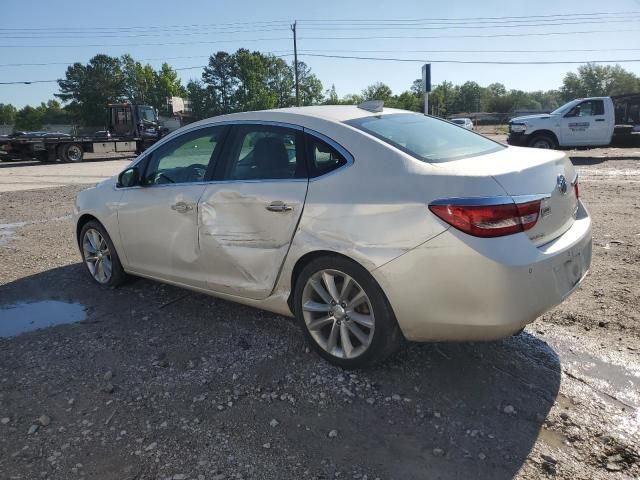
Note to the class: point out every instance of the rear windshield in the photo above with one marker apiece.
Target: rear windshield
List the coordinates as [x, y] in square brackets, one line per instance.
[426, 138]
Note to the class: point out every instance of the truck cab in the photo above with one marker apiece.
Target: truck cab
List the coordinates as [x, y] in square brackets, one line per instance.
[138, 121]
[580, 122]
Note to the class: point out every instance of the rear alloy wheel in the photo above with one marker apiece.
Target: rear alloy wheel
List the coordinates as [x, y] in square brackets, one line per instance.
[344, 313]
[71, 153]
[543, 141]
[100, 256]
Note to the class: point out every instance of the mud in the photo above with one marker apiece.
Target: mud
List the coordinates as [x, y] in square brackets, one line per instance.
[158, 383]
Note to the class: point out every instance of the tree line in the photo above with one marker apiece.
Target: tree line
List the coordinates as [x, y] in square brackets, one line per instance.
[246, 80]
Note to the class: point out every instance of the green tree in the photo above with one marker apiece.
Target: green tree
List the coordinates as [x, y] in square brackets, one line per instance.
[310, 85]
[7, 114]
[29, 118]
[221, 76]
[377, 91]
[593, 80]
[201, 100]
[331, 96]
[90, 87]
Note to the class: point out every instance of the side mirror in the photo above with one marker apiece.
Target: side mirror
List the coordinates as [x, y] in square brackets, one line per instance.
[129, 178]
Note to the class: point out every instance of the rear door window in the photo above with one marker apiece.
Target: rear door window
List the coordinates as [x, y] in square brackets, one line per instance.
[265, 152]
[323, 157]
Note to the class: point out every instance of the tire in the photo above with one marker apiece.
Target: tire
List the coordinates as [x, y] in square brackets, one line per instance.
[71, 152]
[363, 345]
[90, 243]
[543, 141]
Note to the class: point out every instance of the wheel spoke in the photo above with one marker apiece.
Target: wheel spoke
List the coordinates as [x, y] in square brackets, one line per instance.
[320, 290]
[362, 319]
[312, 306]
[330, 282]
[90, 258]
[347, 346]
[320, 323]
[107, 266]
[359, 334]
[332, 342]
[357, 300]
[346, 288]
[99, 270]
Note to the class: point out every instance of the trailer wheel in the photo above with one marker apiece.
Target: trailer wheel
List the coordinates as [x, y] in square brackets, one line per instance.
[71, 153]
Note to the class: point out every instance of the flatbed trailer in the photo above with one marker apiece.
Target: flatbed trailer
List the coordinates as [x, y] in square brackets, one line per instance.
[131, 129]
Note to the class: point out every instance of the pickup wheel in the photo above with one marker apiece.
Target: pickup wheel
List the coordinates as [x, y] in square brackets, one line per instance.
[542, 141]
[71, 153]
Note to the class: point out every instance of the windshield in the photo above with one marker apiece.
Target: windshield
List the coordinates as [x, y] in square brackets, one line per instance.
[564, 108]
[147, 113]
[426, 138]
[457, 121]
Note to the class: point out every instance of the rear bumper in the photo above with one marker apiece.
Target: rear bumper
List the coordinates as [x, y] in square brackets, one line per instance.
[461, 288]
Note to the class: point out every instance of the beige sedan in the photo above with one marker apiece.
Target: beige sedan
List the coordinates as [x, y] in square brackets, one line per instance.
[370, 225]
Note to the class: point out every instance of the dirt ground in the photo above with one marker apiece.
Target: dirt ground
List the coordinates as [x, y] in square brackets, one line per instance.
[159, 383]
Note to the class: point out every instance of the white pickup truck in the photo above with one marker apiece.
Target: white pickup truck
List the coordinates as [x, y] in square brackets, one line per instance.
[595, 121]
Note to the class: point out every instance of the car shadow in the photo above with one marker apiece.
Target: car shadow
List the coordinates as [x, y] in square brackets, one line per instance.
[597, 160]
[438, 410]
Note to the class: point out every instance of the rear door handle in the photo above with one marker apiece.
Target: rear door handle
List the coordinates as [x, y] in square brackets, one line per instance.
[278, 206]
[599, 119]
[182, 207]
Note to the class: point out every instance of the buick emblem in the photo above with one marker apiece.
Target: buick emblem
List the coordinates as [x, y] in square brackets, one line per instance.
[561, 184]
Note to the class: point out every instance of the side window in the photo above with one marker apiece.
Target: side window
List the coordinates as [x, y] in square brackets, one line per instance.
[323, 157]
[589, 108]
[264, 152]
[184, 159]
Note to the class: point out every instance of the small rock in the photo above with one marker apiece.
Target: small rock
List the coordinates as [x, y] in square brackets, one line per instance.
[437, 452]
[548, 459]
[614, 467]
[108, 376]
[33, 429]
[44, 420]
[108, 388]
[602, 324]
[333, 434]
[266, 445]
[564, 415]
[151, 446]
[179, 476]
[396, 397]
[274, 423]
[509, 410]
[482, 456]
[5, 420]
[371, 400]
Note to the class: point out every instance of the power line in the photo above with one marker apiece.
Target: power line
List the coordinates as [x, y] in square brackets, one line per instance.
[129, 45]
[482, 62]
[571, 15]
[319, 27]
[399, 37]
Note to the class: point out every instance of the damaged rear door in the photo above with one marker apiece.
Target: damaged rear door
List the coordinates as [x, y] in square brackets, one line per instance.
[248, 216]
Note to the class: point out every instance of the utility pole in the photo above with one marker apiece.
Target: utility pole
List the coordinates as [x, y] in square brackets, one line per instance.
[295, 62]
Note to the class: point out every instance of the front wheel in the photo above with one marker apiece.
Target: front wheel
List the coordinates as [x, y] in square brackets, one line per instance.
[100, 256]
[344, 313]
[542, 141]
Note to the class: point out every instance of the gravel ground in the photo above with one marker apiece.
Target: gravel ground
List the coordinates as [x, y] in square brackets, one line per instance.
[160, 383]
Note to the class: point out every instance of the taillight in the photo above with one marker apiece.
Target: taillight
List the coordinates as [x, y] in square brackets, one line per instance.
[494, 220]
[576, 187]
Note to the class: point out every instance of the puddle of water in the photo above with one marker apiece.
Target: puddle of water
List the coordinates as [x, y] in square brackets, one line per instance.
[7, 231]
[552, 438]
[27, 316]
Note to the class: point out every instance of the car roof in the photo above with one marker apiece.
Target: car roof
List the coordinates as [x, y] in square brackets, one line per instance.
[302, 115]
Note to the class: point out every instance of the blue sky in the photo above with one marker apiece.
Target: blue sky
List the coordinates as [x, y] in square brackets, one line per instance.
[194, 28]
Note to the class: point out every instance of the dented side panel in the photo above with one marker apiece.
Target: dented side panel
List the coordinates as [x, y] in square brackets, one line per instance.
[243, 243]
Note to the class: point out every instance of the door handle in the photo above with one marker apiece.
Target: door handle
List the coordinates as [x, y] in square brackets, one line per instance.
[599, 119]
[278, 206]
[182, 207]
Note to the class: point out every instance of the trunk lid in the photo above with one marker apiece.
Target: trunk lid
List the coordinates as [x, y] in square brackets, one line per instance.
[531, 171]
